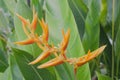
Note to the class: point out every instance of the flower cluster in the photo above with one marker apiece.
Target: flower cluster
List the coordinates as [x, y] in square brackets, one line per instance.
[42, 42]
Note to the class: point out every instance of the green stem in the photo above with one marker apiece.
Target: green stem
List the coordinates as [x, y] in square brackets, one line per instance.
[113, 3]
[1, 38]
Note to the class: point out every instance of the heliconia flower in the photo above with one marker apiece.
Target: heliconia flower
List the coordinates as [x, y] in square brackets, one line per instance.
[53, 62]
[45, 34]
[42, 42]
[65, 40]
[48, 51]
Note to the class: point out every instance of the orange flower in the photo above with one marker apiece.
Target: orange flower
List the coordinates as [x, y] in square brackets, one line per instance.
[29, 29]
[42, 42]
[62, 57]
[48, 50]
[84, 59]
[26, 25]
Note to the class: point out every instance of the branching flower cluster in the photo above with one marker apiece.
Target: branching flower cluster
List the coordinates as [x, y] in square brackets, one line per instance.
[48, 49]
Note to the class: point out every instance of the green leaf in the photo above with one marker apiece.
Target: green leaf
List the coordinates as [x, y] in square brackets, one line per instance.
[102, 77]
[10, 5]
[28, 71]
[15, 72]
[38, 5]
[58, 17]
[23, 10]
[2, 5]
[106, 56]
[3, 61]
[91, 36]
[79, 10]
[6, 75]
[117, 53]
[4, 23]
[117, 15]
[103, 15]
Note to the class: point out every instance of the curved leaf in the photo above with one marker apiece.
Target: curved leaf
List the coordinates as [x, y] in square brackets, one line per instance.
[91, 36]
[103, 15]
[79, 10]
[28, 71]
[58, 17]
[15, 72]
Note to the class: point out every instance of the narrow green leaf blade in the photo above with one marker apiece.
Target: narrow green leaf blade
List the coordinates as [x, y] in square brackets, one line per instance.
[117, 53]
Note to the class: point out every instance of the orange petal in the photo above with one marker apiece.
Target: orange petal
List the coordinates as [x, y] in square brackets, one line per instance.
[45, 30]
[22, 19]
[53, 62]
[25, 42]
[92, 55]
[65, 40]
[34, 22]
[42, 56]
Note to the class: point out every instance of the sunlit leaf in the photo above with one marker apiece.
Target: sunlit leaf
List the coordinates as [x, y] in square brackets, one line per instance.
[92, 29]
[58, 17]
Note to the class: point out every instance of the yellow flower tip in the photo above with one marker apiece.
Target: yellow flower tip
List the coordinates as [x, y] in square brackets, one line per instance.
[34, 21]
[42, 56]
[24, 21]
[25, 42]
[65, 40]
[53, 62]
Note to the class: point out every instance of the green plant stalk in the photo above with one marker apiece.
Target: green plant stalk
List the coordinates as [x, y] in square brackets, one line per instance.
[117, 69]
[1, 38]
[112, 74]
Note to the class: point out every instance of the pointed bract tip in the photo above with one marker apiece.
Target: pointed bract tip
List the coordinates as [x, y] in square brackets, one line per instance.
[22, 19]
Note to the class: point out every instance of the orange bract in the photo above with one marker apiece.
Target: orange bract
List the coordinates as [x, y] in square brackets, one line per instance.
[42, 42]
